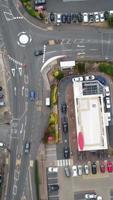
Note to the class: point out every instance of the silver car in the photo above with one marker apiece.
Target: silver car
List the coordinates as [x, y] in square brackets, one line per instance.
[79, 170]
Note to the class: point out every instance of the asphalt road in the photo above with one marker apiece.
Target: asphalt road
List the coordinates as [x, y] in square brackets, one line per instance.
[27, 116]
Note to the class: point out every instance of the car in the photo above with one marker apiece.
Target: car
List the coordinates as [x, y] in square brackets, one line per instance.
[32, 95]
[38, 52]
[2, 145]
[66, 152]
[102, 167]
[106, 15]
[79, 168]
[90, 77]
[74, 17]
[86, 169]
[27, 147]
[94, 168]
[109, 116]
[107, 91]
[102, 19]
[40, 2]
[111, 12]
[67, 171]
[68, 18]
[91, 17]
[85, 17]
[63, 18]
[65, 127]
[80, 17]
[90, 196]
[53, 169]
[97, 18]
[108, 103]
[52, 17]
[74, 170]
[109, 167]
[58, 19]
[101, 79]
[54, 187]
[78, 79]
[63, 108]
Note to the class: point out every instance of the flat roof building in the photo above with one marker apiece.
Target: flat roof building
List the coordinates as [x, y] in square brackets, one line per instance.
[90, 120]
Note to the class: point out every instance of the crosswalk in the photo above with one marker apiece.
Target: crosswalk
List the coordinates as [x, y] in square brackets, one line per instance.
[66, 162]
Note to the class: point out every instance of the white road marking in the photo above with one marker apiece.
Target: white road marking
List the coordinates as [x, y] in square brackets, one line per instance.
[16, 175]
[22, 90]
[8, 16]
[20, 71]
[21, 130]
[24, 132]
[44, 53]
[26, 79]
[80, 46]
[26, 92]
[51, 52]
[81, 53]
[15, 91]
[13, 71]
[14, 190]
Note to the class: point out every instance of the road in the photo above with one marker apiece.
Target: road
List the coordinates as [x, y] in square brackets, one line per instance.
[28, 116]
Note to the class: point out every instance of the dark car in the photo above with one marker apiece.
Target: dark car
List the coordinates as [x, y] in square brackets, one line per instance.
[40, 2]
[101, 79]
[68, 18]
[32, 95]
[63, 108]
[66, 152]
[94, 168]
[74, 17]
[91, 17]
[63, 18]
[53, 188]
[106, 15]
[52, 17]
[65, 127]
[27, 147]
[38, 52]
[80, 17]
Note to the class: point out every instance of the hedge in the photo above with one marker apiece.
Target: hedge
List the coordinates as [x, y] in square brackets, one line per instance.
[53, 96]
[36, 174]
[106, 68]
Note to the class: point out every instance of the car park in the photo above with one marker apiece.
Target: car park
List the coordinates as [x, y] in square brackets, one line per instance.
[106, 15]
[78, 79]
[107, 91]
[53, 188]
[91, 17]
[66, 152]
[67, 171]
[102, 167]
[108, 103]
[79, 168]
[86, 169]
[102, 17]
[63, 108]
[96, 14]
[74, 170]
[52, 17]
[80, 17]
[53, 169]
[63, 18]
[27, 147]
[32, 95]
[109, 167]
[58, 19]
[90, 77]
[38, 52]
[94, 168]
[90, 196]
[85, 17]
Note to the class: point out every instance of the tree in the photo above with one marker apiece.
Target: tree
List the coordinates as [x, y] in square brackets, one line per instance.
[110, 20]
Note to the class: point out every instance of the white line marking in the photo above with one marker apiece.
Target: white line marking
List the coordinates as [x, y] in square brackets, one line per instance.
[22, 90]
[24, 132]
[14, 190]
[51, 52]
[80, 46]
[20, 71]
[15, 91]
[21, 130]
[13, 71]
[16, 175]
[81, 53]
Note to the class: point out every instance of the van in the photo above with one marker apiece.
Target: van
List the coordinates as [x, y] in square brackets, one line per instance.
[67, 171]
[107, 91]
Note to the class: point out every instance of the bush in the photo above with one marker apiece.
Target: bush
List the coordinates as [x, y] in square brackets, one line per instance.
[58, 74]
[110, 20]
[106, 68]
[53, 119]
[36, 176]
[53, 96]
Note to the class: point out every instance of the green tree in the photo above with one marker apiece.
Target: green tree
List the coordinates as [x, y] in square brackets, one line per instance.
[110, 20]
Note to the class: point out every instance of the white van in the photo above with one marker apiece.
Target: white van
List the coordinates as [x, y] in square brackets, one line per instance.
[85, 17]
[107, 91]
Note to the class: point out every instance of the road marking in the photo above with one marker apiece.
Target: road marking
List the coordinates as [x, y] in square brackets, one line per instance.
[14, 190]
[22, 90]
[26, 79]
[16, 175]
[15, 91]
[13, 72]
[26, 92]
[20, 71]
[15, 61]
[24, 134]
[51, 52]
[44, 53]
[81, 53]
[80, 46]
[8, 16]
[21, 130]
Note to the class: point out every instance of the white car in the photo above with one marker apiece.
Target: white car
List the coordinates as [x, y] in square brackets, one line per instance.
[80, 170]
[108, 103]
[97, 18]
[86, 169]
[90, 196]
[109, 117]
[78, 79]
[85, 17]
[53, 169]
[58, 19]
[111, 12]
[74, 170]
[102, 17]
[90, 77]
[107, 91]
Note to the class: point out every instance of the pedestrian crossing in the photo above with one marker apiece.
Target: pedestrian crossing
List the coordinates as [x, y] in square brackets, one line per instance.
[66, 162]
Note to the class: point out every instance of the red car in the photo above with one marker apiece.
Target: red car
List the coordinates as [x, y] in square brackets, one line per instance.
[109, 166]
[102, 167]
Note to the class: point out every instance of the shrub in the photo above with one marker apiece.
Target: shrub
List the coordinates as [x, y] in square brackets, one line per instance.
[58, 74]
[106, 68]
[53, 118]
[36, 176]
[81, 67]
[53, 96]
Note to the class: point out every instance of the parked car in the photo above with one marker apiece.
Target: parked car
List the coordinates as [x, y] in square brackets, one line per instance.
[67, 171]
[107, 91]
[109, 167]
[40, 2]
[90, 196]
[53, 169]
[78, 79]
[2, 145]
[111, 12]
[38, 52]
[80, 17]
[66, 152]
[109, 116]
[94, 168]
[53, 188]
[58, 19]
[96, 14]
[101, 79]
[63, 108]
[32, 95]
[74, 170]
[102, 19]
[85, 17]
[27, 147]
[86, 169]
[68, 19]
[74, 17]
[91, 17]
[90, 77]
[65, 127]
[52, 17]
[79, 170]
[106, 15]
[102, 167]
[63, 18]
[108, 103]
